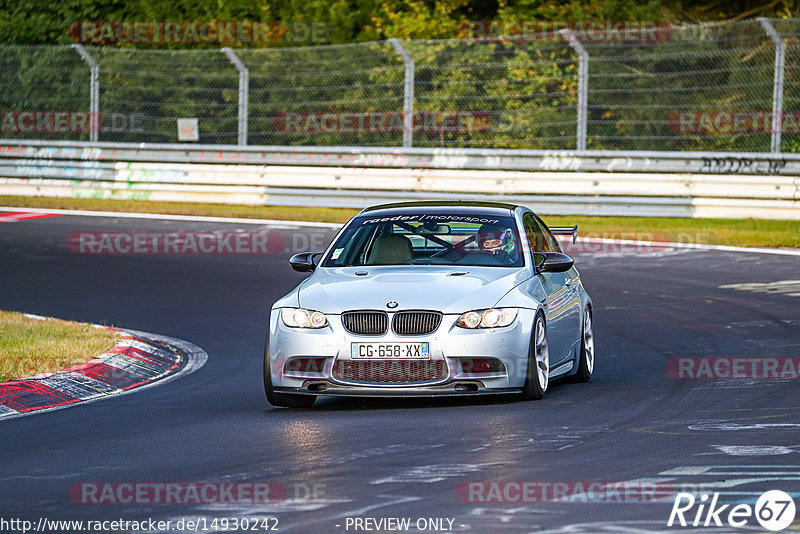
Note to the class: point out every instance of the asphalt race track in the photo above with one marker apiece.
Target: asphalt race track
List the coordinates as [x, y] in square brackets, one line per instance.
[405, 458]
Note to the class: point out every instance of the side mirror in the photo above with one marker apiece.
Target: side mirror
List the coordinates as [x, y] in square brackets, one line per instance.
[303, 262]
[552, 262]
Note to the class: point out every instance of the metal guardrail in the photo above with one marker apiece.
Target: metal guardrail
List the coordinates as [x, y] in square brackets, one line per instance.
[155, 175]
[434, 158]
[551, 182]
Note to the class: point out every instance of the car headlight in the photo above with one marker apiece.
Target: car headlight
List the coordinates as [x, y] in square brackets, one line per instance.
[489, 318]
[302, 318]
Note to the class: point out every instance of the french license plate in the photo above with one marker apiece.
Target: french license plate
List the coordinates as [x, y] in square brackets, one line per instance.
[408, 351]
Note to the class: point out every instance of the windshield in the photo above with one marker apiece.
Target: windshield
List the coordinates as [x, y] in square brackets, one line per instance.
[428, 239]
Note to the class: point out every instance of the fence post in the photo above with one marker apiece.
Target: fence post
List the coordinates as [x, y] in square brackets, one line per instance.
[777, 83]
[583, 84]
[244, 93]
[94, 91]
[408, 93]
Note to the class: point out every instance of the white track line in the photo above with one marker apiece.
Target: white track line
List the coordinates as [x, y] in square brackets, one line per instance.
[196, 218]
[293, 224]
[697, 246]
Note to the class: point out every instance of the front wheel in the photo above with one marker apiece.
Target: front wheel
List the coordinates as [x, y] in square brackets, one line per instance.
[538, 374]
[286, 400]
[586, 356]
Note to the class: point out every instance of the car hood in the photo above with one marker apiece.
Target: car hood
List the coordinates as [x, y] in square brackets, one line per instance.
[447, 289]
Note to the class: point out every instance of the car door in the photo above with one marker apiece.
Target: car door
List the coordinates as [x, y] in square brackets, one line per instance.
[557, 304]
[572, 281]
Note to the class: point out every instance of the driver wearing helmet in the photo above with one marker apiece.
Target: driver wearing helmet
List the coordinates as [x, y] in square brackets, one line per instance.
[495, 240]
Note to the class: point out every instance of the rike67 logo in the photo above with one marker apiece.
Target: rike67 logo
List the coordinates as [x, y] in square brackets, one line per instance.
[774, 510]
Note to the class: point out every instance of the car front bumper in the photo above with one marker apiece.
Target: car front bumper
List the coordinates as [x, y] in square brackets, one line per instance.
[449, 344]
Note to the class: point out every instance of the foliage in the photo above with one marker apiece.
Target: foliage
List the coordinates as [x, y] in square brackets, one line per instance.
[41, 22]
[520, 94]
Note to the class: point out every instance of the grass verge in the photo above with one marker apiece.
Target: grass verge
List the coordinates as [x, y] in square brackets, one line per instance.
[31, 346]
[289, 213]
[732, 232]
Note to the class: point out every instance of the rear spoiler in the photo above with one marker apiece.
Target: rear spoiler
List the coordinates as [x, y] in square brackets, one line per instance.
[566, 230]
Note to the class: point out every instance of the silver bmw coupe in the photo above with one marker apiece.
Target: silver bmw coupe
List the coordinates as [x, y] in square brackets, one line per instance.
[430, 299]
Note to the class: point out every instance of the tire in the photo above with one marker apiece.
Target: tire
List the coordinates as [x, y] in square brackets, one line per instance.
[538, 374]
[586, 355]
[286, 400]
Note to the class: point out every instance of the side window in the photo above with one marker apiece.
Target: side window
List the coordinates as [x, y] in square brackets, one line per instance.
[537, 239]
[553, 243]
